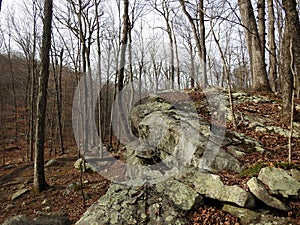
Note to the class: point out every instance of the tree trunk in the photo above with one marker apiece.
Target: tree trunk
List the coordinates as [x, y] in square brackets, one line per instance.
[291, 35]
[203, 47]
[272, 47]
[124, 43]
[121, 73]
[177, 58]
[39, 182]
[58, 89]
[261, 17]
[260, 79]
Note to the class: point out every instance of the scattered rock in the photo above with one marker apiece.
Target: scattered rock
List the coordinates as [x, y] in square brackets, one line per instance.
[259, 190]
[73, 187]
[19, 193]
[279, 182]
[274, 220]
[86, 167]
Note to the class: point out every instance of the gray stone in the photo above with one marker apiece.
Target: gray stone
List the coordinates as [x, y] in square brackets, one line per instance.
[246, 216]
[87, 168]
[19, 193]
[56, 218]
[236, 151]
[18, 220]
[180, 194]
[211, 186]
[259, 190]
[295, 174]
[274, 220]
[279, 182]
[52, 162]
[73, 187]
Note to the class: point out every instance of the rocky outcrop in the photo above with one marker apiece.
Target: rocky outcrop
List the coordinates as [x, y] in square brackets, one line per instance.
[163, 203]
[173, 138]
[171, 169]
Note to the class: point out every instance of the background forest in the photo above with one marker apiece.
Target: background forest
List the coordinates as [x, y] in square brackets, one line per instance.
[64, 58]
[145, 45]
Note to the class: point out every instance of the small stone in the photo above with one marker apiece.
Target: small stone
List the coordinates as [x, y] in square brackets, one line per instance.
[52, 162]
[19, 193]
[245, 215]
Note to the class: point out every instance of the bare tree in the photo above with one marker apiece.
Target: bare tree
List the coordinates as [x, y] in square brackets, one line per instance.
[199, 37]
[121, 72]
[255, 49]
[57, 60]
[165, 12]
[39, 182]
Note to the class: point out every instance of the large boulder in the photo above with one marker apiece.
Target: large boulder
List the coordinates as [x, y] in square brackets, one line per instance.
[279, 182]
[164, 203]
[176, 137]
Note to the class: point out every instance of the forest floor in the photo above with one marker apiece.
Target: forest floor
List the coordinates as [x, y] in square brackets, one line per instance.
[17, 174]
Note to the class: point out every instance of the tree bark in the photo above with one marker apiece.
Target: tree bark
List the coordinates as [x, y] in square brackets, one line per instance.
[260, 78]
[291, 35]
[121, 73]
[203, 47]
[124, 43]
[39, 182]
[272, 47]
[261, 17]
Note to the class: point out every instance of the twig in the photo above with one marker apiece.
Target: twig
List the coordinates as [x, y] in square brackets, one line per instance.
[82, 167]
[293, 101]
